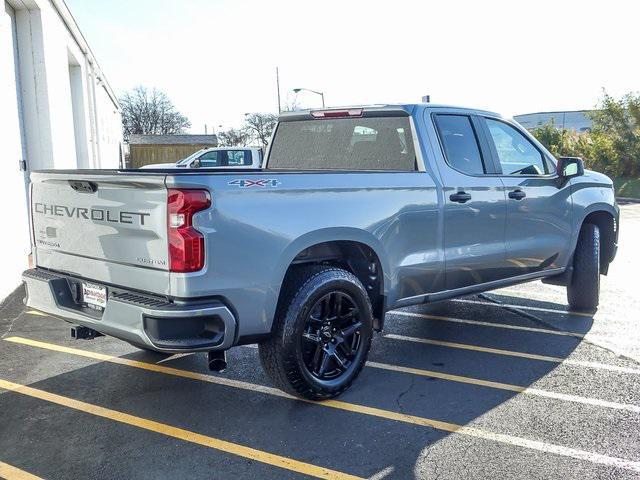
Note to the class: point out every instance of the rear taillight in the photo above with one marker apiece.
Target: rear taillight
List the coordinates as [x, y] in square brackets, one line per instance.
[186, 244]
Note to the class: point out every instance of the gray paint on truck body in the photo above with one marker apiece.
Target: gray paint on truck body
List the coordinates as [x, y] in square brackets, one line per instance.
[428, 247]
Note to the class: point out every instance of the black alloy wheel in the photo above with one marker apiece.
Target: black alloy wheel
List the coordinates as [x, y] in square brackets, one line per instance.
[331, 338]
[321, 334]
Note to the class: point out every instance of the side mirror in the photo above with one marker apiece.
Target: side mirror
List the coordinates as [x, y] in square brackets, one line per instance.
[195, 163]
[569, 167]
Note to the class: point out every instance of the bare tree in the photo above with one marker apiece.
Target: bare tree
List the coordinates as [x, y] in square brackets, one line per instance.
[150, 112]
[233, 137]
[291, 105]
[260, 126]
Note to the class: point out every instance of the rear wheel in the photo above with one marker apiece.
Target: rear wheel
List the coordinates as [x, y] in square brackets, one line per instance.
[584, 290]
[322, 333]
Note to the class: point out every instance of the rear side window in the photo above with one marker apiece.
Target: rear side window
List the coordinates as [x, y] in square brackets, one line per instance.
[383, 143]
[460, 143]
[237, 158]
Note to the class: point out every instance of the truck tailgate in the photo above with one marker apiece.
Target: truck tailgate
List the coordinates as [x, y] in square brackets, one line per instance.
[106, 226]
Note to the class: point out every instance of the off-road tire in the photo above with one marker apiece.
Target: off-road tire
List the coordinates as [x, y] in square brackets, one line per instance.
[584, 290]
[280, 354]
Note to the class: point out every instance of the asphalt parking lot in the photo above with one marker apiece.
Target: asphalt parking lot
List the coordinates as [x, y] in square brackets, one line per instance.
[504, 385]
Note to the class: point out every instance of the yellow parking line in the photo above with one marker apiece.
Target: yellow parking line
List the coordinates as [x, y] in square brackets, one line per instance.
[530, 356]
[476, 348]
[447, 376]
[536, 392]
[179, 433]
[355, 408]
[274, 391]
[488, 324]
[37, 312]
[9, 472]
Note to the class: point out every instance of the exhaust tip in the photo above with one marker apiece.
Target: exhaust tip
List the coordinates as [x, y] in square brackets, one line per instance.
[217, 360]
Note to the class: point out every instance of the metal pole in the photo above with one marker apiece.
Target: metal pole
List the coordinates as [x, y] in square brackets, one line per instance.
[278, 87]
[322, 95]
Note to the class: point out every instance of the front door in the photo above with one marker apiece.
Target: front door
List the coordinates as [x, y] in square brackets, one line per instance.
[475, 209]
[538, 227]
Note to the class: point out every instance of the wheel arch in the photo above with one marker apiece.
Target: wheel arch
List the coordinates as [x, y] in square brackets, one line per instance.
[605, 217]
[355, 250]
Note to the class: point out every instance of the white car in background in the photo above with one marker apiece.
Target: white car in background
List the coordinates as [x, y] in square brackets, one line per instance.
[218, 157]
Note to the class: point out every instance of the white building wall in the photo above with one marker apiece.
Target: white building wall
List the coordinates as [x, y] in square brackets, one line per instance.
[56, 111]
[577, 120]
[14, 241]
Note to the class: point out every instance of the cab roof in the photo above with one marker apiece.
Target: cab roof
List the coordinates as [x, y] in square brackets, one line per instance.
[400, 109]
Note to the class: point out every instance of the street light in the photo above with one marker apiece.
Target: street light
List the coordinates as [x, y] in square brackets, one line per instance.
[298, 90]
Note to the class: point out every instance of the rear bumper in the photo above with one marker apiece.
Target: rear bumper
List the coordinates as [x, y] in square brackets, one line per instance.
[149, 321]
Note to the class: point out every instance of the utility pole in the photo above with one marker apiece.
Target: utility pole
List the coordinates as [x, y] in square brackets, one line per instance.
[278, 87]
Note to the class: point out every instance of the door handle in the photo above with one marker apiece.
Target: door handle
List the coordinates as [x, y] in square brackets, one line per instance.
[460, 197]
[517, 194]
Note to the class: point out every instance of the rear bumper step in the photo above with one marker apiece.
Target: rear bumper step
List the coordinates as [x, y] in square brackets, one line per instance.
[147, 320]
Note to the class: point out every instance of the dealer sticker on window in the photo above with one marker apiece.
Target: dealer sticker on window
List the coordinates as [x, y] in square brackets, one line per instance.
[94, 295]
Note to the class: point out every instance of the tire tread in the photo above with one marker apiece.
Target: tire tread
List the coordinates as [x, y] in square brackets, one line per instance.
[584, 290]
[275, 354]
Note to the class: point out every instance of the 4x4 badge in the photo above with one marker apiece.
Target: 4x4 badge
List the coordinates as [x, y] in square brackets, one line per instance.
[263, 182]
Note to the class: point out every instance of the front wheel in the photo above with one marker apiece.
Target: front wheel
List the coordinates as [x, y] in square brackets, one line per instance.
[322, 333]
[584, 290]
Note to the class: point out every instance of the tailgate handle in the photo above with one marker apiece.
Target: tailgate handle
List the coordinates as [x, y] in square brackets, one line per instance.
[83, 186]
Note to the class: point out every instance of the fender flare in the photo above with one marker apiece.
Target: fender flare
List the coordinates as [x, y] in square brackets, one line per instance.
[595, 207]
[315, 237]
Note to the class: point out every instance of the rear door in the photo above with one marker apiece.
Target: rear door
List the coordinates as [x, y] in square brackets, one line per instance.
[538, 229]
[475, 209]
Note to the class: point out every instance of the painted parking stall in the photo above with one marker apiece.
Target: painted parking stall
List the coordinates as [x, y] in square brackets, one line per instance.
[448, 389]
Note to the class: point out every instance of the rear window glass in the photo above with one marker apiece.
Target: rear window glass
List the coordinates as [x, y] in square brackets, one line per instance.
[382, 143]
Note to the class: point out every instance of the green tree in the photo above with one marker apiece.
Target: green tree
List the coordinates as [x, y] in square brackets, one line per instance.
[551, 137]
[618, 122]
[613, 144]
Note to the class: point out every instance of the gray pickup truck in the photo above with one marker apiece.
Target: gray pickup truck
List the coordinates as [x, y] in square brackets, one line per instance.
[357, 211]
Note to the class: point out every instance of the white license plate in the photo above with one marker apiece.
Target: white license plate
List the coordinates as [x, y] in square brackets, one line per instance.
[94, 295]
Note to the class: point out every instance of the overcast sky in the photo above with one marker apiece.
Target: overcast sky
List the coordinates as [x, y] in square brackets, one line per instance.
[216, 59]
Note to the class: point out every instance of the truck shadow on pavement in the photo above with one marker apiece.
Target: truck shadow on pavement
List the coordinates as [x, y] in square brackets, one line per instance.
[402, 377]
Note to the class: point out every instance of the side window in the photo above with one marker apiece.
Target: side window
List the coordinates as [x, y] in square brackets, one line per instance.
[460, 143]
[517, 155]
[237, 158]
[210, 159]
